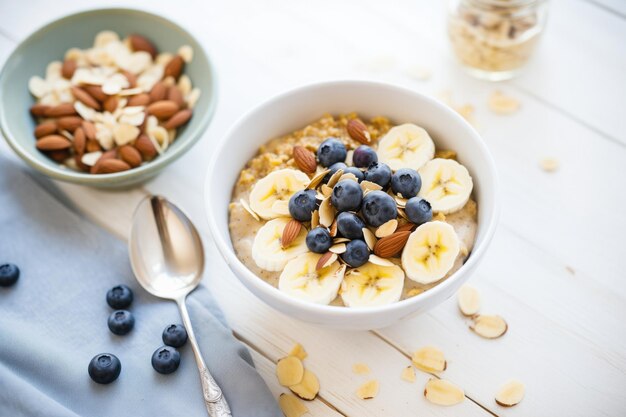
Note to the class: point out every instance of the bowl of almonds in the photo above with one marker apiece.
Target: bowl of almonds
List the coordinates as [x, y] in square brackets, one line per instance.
[106, 97]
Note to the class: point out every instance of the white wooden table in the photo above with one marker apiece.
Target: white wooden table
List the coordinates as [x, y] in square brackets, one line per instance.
[556, 269]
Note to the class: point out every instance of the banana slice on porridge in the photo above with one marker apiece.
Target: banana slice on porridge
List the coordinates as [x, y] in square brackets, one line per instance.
[270, 196]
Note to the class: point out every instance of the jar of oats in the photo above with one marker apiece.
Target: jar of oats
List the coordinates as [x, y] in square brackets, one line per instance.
[493, 39]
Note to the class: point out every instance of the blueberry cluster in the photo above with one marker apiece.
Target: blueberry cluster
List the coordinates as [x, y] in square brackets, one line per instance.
[357, 210]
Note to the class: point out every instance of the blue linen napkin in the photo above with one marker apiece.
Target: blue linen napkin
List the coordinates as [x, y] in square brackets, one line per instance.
[54, 320]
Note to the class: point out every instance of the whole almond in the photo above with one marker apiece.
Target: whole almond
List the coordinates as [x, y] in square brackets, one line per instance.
[84, 97]
[53, 143]
[145, 147]
[180, 118]
[142, 99]
[90, 129]
[304, 159]
[132, 79]
[68, 68]
[110, 154]
[39, 110]
[58, 156]
[45, 129]
[290, 232]
[406, 227]
[80, 141]
[174, 94]
[391, 245]
[110, 166]
[158, 92]
[60, 110]
[130, 155]
[110, 104]
[358, 131]
[92, 146]
[163, 109]
[69, 123]
[174, 68]
[96, 92]
[139, 43]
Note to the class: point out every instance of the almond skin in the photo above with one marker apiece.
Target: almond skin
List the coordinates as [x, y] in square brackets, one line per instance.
[90, 129]
[358, 131]
[145, 147]
[39, 110]
[406, 227]
[290, 232]
[162, 109]
[84, 97]
[53, 143]
[158, 92]
[110, 166]
[96, 92]
[139, 43]
[174, 94]
[45, 129]
[324, 259]
[139, 100]
[68, 68]
[130, 155]
[112, 154]
[69, 123]
[174, 68]
[180, 118]
[304, 159]
[60, 110]
[80, 141]
[110, 104]
[58, 156]
[391, 245]
[92, 146]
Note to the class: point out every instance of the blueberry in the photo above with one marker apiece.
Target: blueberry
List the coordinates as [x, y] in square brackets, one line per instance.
[121, 322]
[175, 335]
[318, 240]
[347, 196]
[418, 210]
[357, 173]
[356, 254]
[407, 182]
[379, 173]
[364, 156]
[165, 360]
[350, 226]
[104, 368]
[9, 273]
[330, 151]
[334, 168]
[302, 204]
[378, 208]
[119, 296]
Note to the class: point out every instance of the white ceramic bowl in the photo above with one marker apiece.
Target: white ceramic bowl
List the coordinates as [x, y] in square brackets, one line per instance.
[297, 108]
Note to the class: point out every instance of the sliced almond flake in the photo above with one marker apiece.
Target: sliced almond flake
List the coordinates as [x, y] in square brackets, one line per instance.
[360, 369]
[370, 186]
[172, 134]
[308, 388]
[326, 190]
[368, 390]
[50, 99]
[327, 213]
[402, 214]
[333, 228]
[469, 300]
[549, 164]
[281, 207]
[53, 70]
[133, 119]
[130, 91]
[291, 406]
[289, 371]
[91, 158]
[150, 77]
[192, 98]
[386, 228]
[349, 176]
[442, 392]
[377, 260]
[369, 237]
[104, 37]
[317, 179]
[156, 144]
[152, 122]
[408, 374]
[115, 84]
[334, 179]
[163, 58]
[298, 351]
[319, 195]
[247, 208]
[104, 136]
[429, 359]
[463, 249]
[400, 201]
[84, 111]
[340, 240]
[325, 260]
[502, 104]
[184, 84]
[160, 135]
[315, 219]
[349, 156]
[338, 248]
[125, 133]
[186, 53]
[67, 135]
[489, 327]
[38, 87]
[510, 394]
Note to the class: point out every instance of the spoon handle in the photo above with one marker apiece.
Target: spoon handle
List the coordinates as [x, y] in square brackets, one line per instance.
[214, 400]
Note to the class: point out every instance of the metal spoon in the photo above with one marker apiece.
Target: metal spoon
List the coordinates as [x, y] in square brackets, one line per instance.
[167, 257]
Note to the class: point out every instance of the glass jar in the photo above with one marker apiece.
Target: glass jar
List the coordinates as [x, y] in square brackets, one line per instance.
[494, 39]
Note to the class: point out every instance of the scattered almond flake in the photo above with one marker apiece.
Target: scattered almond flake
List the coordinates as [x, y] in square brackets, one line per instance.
[349, 156]
[289, 371]
[115, 84]
[489, 327]
[360, 369]
[510, 394]
[281, 207]
[247, 208]
[67, 135]
[340, 240]
[463, 249]
[291, 406]
[104, 136]
[38, 86]
[315, 219]
[414, 291]
[429, 359]
[319, 195]
[333, 228]
[369, 237]
[500, 103]
[50, 100]
[326, 190]
[327, 213]
[74, 53]
[152, 122]
[137, 62]
[440, 217]
[418, 72]
[192, 98]
[349, 176]
[184, 84]
[408, 374]
[124, 133]
[130, 91]
[549, 164]
[163, 58]
[133, 119]
[298, 351]
[150, 77]
[469, 300]
[400, 201]
[53, 70]
[317, 179]
[104, 37]
[308, 388]
[91, 158]
[386, 228]
[402, 214]
[338, 248]
[368, 390]
[377, 260]
[325, 260]
[442, 392]
[186, 53]
[370, 186]
[84, 111]
[160, 135]
[334, 179]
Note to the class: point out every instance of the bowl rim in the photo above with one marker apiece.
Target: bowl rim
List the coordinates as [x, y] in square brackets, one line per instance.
[147, 170]
[242, 271]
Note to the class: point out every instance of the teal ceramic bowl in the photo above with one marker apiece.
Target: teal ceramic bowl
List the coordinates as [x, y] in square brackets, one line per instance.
[78, 30]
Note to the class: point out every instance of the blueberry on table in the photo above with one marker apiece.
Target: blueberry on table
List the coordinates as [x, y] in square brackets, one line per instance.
[356, 254]
[330, 151]
[378, 208]
[379, 173]
[350, 226]
[104, 368]
[121, 322]
[356, 172]
[165, 360]
[347, 196]
[334, 168]
[318, 240]
[119, 296]
[175, 335]
[364, 156]
[418, 210]
[9, 274]
[302, 204]
[407, 182]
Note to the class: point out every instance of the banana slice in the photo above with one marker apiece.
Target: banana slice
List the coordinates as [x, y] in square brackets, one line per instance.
[446, 185]
[406, 146]
[430, 252]
[372, 285]
[271, 194]
[300, 279]
[267, 250]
